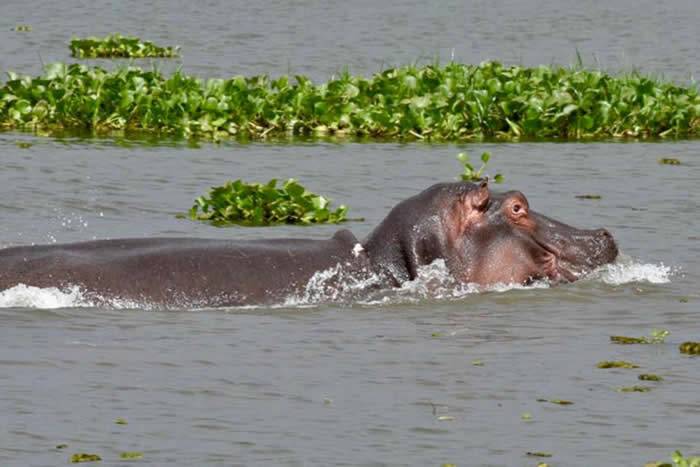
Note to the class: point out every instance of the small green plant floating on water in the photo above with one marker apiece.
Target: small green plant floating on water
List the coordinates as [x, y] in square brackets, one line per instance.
[634, 389]
[678, 461]
[84, 457]
[657, 336]
[681, 461]
[649, 377]
[118, 46]
[616, 364]
[470, 174]
[690, 348]
[257, 204]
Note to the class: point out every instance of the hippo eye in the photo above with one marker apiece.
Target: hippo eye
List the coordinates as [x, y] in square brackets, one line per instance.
[517, 208]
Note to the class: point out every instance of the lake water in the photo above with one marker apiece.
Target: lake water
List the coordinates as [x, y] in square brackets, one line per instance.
[361, 384]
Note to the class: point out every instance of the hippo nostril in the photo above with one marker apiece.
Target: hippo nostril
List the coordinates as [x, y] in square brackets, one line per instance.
[604, 233]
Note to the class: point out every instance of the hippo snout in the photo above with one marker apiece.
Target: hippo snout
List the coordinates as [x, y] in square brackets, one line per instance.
[608, 248]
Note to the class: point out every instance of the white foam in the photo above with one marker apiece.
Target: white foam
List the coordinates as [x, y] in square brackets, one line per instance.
[335, 284]
[627, 270]
[34, 297]
[26, 296]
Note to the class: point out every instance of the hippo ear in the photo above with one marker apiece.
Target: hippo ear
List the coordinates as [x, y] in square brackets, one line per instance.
[479, 197]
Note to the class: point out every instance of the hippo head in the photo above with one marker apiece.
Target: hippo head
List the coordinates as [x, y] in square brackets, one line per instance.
[483, 238]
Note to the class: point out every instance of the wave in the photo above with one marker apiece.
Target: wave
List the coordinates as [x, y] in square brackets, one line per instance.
[627, 270]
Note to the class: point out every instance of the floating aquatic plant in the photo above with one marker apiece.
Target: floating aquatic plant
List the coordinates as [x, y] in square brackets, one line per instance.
[681, 461]
[657, 336]
[616, 364]
[649, 377]
[634, 389]
[23, 28]
[538, 454]
[452, 102]
[84, 457]
[257, 204]
[118, 46]
[131, 455]
[690, 348]
[470, 174]
[669, 161]
[556, 401]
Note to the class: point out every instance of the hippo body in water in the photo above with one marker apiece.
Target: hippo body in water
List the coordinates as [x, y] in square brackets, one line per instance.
[483, 238]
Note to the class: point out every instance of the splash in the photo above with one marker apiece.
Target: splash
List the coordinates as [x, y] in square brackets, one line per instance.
[335, 285]
[25, 296]
[628, 270]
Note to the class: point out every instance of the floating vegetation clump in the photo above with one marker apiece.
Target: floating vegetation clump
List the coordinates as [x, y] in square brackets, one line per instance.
[616, 364]
[556, 401]
[649, 377]
[84, 457]
[681, 461]
[669, 161]
[118, 46]
[453, 102]
[258, 204]
[634, 389]
[690, 348]
[657, 336]
[538, 454]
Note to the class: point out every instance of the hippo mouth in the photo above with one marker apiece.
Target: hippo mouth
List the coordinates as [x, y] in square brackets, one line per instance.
[577, 256]
[553, 267]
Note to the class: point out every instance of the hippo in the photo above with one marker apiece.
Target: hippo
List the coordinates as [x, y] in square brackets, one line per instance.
[484, 238]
